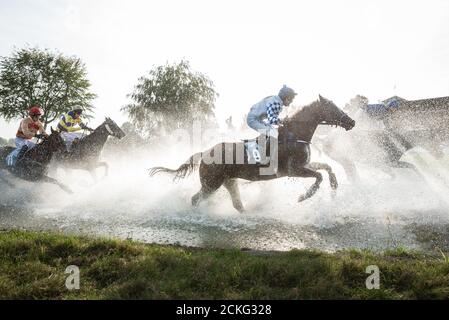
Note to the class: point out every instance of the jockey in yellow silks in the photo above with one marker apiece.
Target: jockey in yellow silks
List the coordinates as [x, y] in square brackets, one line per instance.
[70, 124]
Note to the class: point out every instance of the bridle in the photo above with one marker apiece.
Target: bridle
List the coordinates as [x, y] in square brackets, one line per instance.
[336, 123]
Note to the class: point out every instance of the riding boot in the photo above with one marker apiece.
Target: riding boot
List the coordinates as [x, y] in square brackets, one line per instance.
[272, 147]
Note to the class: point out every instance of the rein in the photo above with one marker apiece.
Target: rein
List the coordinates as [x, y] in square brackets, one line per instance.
[289, 140]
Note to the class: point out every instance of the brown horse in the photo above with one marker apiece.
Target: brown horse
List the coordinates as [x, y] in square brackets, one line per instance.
[293, 156]
[33, 166]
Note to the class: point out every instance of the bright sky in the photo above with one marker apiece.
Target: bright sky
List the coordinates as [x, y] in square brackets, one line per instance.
[248, 48]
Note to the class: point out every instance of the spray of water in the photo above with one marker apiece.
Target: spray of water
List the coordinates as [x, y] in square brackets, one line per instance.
[377, 212]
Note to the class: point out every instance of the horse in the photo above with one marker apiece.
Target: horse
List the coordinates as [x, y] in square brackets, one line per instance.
[33, 166]
[295, 136]
[85, 154]
[381, 149]
[379, 141]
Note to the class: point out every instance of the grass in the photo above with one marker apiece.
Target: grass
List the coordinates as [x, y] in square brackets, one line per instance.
[32, 266]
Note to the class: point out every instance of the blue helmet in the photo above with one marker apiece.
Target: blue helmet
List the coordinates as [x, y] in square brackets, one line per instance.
[287, 92]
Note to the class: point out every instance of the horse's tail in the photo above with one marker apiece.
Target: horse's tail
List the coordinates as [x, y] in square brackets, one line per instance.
[183, 171]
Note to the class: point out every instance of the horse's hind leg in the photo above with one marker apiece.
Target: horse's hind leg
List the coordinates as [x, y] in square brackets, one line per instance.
[323, 166]
[196, 199]
[233, 188]
[209, 184]
[201, 195]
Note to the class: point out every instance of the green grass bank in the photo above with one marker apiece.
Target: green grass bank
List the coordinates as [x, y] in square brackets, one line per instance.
[33, 264]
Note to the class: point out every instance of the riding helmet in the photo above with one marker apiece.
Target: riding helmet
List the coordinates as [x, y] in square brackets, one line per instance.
[287, 92]
[35, 111]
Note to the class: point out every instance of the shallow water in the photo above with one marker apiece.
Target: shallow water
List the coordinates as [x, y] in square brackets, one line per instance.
[377, 213]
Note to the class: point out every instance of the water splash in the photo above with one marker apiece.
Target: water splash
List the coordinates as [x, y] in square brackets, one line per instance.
[376, 213]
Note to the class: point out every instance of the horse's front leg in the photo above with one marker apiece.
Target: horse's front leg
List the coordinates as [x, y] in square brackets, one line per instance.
[233, 188]
[304, 172]
[324, 166]
[106, 168]
[54, 181]
[93, 174]
[94, 166]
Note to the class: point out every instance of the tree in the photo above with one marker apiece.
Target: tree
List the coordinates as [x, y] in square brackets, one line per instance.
[171, 97]
[55, 82]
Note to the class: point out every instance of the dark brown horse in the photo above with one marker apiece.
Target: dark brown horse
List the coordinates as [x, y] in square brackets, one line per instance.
[293, 159]
[33, 166]
[85, 154]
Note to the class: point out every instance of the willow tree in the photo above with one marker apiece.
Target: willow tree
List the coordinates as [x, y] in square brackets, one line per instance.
[56, 83]
[171, 97]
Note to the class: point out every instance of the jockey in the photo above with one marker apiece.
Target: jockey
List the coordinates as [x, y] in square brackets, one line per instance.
[269, 109]
[264, 115]
[70, 123]
[29, 128]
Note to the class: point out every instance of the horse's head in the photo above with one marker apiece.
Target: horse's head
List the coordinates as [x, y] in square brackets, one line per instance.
[113, 129]
[55, 141]
[330, 114]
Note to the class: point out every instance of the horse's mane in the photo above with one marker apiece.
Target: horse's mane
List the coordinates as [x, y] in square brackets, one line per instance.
[302, 111]
[93, 134]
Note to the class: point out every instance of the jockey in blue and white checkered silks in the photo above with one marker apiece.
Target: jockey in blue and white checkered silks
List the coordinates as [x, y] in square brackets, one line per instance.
[264, 115]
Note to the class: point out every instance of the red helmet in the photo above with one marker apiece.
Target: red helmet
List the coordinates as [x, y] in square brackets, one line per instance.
[35, 111]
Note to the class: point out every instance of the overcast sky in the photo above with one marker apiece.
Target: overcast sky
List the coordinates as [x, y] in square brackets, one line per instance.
[249, 49]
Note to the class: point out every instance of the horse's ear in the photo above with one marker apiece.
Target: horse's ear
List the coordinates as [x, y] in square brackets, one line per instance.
[320, 98]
